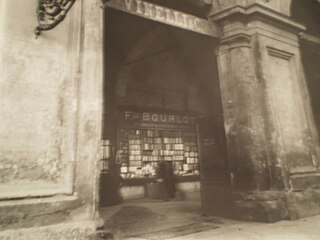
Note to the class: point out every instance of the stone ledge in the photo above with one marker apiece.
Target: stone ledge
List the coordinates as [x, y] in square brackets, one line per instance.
[266, 206]
[258, 196]
[272, 206]
[303, 181]
[70, 231]
[21, 190]
[37, 211]
[303, 204]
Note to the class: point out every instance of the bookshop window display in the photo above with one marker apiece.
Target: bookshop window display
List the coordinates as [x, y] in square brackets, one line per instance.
[145, 139]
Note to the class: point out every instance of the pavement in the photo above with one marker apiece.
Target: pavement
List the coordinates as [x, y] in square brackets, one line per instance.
[183, 220]
[303, 229]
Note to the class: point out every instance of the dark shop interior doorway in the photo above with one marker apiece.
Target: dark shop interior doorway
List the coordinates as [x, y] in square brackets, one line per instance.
[163, 135]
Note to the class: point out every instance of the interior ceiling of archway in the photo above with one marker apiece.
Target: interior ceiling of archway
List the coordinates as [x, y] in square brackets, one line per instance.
[139, 45]
[307, 12]
[165, 63]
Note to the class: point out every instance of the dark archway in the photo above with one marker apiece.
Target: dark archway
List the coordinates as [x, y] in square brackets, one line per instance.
[307, 12]
[158, 67]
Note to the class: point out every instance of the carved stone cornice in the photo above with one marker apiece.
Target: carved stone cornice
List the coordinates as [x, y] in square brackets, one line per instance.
[237, 40]
[50, 13]
[239, 37]
[310, 38]
[258, 11]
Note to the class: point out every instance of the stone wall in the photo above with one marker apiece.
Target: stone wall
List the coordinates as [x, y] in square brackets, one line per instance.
[273, 145]
[35, 94]
[51, 116]
[51, 111]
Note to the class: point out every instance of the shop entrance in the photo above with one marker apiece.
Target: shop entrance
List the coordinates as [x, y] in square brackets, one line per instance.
[163, 122]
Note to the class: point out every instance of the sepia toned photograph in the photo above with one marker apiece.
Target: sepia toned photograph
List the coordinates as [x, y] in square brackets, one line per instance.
[159, 119]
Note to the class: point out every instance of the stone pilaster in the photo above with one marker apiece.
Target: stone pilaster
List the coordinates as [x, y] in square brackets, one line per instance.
[90, 105]
[272, 146]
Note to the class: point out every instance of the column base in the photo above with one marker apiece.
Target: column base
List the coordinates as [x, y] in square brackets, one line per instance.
[268, 206]
[273, 206]
[303, 204]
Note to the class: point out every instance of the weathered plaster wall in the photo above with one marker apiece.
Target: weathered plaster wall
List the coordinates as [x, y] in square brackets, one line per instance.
[51, 115]
[34, 91]
[294, 136]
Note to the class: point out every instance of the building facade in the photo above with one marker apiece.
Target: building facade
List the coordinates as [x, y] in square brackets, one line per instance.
[224, 90]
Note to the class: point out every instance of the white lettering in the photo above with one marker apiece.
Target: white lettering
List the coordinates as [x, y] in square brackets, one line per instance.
[169, 18]
[139, 7]
[196, 24]
[158, 118]
[185, 119]
[127, 115]
[145, 116]
[128, 4]
[179, 119]
[159, 12]
[171, 119]
[155, 117]
[184, 20]
[148, 9]
[190, 24]
[176, 17]
[163, 118]
[163, 14]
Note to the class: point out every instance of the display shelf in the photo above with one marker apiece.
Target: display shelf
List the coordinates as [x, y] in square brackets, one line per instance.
[140, 149]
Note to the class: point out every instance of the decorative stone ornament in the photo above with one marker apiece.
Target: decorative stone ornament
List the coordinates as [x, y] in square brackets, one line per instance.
[50, 13]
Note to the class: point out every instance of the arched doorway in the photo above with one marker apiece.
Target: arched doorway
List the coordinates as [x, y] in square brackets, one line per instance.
[308, 14]
[163, 104]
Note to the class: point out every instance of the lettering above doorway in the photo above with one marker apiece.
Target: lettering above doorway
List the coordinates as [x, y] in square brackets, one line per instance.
[153, 120]
[165, 15]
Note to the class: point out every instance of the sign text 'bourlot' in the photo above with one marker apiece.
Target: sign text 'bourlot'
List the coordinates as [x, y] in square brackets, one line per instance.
[158, 117]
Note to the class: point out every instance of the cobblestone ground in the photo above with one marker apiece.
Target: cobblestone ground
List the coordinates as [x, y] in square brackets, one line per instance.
[182, 220]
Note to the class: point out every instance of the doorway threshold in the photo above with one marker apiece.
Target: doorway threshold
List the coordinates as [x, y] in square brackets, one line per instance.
[156, 219]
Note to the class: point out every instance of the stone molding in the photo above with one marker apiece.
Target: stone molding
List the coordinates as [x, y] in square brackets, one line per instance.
[238, 37]
[34, 190]
[273, 206]
[27, 213]
[309, 38]
[281, 6]
[238, 40]
[258, 10]
[303, 181]
[279, 53]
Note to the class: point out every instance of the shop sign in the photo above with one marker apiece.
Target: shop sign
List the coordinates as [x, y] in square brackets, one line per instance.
[165, 15]
[158, 120]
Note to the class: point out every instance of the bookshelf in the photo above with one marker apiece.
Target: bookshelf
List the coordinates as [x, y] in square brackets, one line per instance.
[139, 152]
